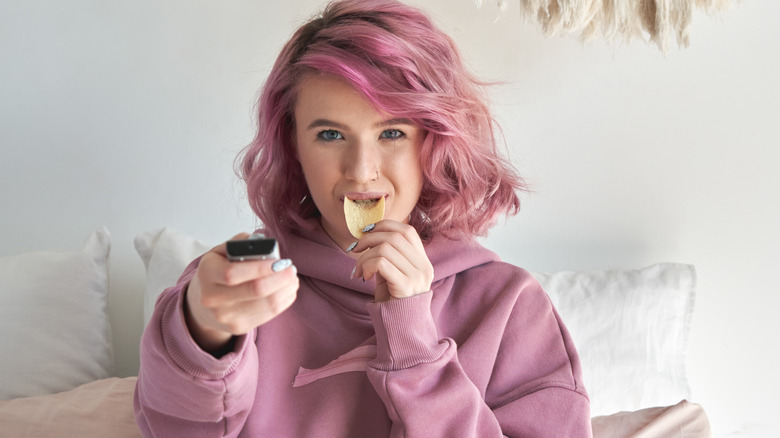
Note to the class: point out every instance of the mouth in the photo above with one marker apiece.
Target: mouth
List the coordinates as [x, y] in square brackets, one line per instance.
[365, 203]
[363, 198]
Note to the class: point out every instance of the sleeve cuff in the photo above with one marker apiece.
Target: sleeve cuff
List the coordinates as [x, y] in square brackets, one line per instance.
[406, 333]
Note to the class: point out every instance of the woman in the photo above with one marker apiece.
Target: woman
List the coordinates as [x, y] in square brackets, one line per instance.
[412, 330]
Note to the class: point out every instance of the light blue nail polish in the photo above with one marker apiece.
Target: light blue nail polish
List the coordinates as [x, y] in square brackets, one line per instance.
[352, 275]
[369, 228]
[281, 265]
[352, 246]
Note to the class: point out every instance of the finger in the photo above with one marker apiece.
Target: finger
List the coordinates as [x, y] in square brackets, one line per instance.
[217, 269]
[241, 317]
[381, 258]
[397, 283]
[395, 275]
[380, 232]
[267, 286]
[396, 247]
[407, 231]
[220, 295]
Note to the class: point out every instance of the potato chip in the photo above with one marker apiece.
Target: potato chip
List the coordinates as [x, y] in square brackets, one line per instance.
[361, 213]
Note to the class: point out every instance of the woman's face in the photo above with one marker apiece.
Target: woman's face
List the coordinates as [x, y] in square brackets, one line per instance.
[347, 148]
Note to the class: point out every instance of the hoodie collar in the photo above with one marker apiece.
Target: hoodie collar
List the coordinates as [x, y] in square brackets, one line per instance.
[317, 256]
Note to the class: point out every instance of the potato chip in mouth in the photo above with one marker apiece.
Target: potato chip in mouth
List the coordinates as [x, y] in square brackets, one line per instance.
[362, 213]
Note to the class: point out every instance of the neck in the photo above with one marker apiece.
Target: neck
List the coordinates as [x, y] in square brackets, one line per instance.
[342, 241]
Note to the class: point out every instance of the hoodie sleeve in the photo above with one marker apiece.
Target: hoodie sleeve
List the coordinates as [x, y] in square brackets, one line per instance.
[182, 391]
[427, 393]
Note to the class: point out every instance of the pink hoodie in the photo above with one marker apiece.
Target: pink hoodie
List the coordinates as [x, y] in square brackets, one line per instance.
[483, 355]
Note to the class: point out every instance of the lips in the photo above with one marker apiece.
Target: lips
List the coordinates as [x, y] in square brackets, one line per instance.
[363, 196]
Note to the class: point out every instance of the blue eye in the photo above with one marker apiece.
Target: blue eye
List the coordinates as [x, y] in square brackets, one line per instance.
[392, 134]
[329, 135]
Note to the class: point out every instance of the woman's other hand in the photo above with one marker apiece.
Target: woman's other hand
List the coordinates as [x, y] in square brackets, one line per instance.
[228, 298]
[394, 253]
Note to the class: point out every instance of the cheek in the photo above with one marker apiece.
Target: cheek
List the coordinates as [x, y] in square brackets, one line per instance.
[411, 172]
[409, 184]
[320, 168]
[319, 179]
[310, 163]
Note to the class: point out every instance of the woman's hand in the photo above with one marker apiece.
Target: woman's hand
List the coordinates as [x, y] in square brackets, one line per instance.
[394, 253]
[232, 298]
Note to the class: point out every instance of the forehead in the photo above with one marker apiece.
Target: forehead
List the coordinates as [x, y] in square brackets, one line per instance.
[320, 94]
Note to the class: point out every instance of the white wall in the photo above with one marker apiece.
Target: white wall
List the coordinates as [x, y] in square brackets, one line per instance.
[129, 114]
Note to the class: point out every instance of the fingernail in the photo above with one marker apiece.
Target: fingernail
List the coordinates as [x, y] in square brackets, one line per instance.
[281, 265]
[352, 246]
[369, 228]
[352, 275]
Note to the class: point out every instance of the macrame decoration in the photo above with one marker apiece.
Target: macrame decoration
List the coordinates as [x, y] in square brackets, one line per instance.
[656, 20]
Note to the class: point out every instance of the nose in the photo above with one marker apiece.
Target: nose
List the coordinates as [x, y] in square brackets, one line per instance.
[361, 162]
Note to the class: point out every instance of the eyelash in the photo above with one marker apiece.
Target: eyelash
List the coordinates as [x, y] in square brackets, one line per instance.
[398, 131]
[322, 135]
[394, 134]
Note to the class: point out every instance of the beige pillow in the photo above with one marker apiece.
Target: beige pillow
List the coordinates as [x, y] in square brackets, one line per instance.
[103, 408]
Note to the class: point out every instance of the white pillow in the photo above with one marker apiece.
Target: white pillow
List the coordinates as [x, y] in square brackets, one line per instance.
[631, 329]
[54, 329]
[165, 253]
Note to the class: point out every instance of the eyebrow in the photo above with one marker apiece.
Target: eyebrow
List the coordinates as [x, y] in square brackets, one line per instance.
[389, 122]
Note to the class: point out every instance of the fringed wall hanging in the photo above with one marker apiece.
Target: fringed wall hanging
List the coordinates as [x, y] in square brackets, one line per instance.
[657, 20]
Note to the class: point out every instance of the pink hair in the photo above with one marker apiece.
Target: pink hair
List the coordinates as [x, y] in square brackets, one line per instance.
[406, 67]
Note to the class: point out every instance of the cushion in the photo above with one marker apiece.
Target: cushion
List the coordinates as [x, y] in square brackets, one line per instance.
[683, 420]
[631, 329]
[165, 253]
[103, 408]
[54, 320]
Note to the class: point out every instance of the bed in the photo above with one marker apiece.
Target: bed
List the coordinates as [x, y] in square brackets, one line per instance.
[56, 374]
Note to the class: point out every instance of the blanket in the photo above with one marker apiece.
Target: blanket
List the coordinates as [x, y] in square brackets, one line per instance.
[105, 408]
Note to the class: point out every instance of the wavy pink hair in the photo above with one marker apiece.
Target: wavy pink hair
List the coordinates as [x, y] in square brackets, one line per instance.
[406, 67]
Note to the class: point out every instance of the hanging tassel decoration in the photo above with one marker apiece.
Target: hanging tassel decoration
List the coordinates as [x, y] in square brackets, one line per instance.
[659, 21]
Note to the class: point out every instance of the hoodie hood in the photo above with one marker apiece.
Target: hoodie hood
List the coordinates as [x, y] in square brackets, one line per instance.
[317, 256]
